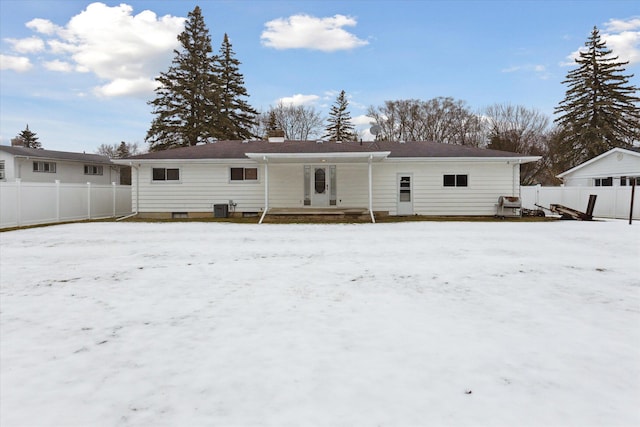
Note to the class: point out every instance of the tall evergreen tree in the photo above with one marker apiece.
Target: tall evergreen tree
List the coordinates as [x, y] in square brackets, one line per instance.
[186, 101]
[27, 139]
[235, 115]
[339, 127]
[600, 110]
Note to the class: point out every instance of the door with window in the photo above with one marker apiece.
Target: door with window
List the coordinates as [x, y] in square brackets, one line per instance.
[405, 194]
[320, 185]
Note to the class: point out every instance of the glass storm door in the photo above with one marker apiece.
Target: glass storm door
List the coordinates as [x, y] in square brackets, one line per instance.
[405, 194]
[319, 186]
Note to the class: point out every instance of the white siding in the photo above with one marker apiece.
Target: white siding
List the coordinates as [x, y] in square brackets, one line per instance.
[202, 185]
[66, 172]
[486, 182]
[615, 164]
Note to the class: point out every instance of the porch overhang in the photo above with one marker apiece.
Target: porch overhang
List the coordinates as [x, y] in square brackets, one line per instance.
[361, 157]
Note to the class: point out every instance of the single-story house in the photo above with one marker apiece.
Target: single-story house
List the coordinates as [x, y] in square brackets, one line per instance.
[253, 177]
[616, 167]
[35, 165]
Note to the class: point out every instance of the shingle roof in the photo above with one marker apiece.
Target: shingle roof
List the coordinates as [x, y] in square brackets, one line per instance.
[238, 149]
[55, 155]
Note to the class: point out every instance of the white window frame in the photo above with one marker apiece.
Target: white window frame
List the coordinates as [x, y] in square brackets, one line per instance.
[455, 179]
[165, 180]
[244, 174]
[40, 167]
[93, 169]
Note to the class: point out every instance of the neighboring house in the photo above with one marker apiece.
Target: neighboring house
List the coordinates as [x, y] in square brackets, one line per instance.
[383, 177]
[616, 167]
[33, 165]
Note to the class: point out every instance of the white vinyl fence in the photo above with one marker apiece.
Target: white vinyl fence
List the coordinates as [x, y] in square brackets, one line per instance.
[30, 203]
[612, 202]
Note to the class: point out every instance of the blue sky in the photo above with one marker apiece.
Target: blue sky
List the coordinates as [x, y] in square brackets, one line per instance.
[81, 73]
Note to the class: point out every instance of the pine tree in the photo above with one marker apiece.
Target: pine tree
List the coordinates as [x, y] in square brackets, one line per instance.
[600, 110]
[235, 116]
[186, 101]
[339, 126]
[27, 139]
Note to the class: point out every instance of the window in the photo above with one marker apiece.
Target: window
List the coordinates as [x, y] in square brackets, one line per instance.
[92, 170]
[166, 174]
[1, 169]
[603, 182]
[628, 180]
[455, 181]
[244, 174]
[49, 167]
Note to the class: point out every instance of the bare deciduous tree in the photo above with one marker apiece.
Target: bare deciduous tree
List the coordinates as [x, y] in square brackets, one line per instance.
[520, 130]
[298, 122]
[440, 119]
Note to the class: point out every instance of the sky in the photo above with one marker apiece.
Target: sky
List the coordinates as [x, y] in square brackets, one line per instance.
[81, 73]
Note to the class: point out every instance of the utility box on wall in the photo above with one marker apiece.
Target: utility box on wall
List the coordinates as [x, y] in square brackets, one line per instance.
[221, 211]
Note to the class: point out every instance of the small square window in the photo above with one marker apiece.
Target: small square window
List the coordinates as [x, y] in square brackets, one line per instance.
[173, 174]
[158, 174]
[237, 174]
[251, 174]
[461, 180]
[449, 181]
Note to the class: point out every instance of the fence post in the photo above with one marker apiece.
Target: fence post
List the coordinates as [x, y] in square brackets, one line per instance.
[18, 202]
[57, 200]
[113, 186]
[89, 200]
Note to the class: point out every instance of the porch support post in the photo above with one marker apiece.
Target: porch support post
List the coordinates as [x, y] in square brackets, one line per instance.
[266, 190]
[371, 189]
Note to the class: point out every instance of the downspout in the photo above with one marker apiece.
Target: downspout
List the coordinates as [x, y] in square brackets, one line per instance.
[371, 189]
[137, 168]
[266, 189]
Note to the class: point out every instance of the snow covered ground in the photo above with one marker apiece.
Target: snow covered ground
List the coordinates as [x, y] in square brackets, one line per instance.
[406, 324]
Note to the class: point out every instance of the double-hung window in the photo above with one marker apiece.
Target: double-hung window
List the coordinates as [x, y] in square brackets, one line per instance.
[166, 174]
[49, 167]
[451, 180]
[92, 170]
[244, 174]
[603, 182]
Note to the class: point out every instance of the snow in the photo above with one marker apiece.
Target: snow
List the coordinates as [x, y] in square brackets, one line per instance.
[404, 324]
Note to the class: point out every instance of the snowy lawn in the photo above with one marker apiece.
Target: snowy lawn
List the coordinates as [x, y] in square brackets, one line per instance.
[405, 324]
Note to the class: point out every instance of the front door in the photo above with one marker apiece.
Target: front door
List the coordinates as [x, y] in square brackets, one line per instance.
[319, 186]
[405, 194]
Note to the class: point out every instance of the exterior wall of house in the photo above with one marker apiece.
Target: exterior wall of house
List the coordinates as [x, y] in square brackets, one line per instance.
[615, 164]
[486, 183]
[66, 171]
[202, 185]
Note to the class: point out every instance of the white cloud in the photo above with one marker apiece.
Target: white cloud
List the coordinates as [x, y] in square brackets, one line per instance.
[20, 64]
[620, 25]
[539, 70]
[27, 45]
[308, 32]
[125, 50]
[621, 36]
[57, 65]
[120, 87]
[43, 26]
[299, 99]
